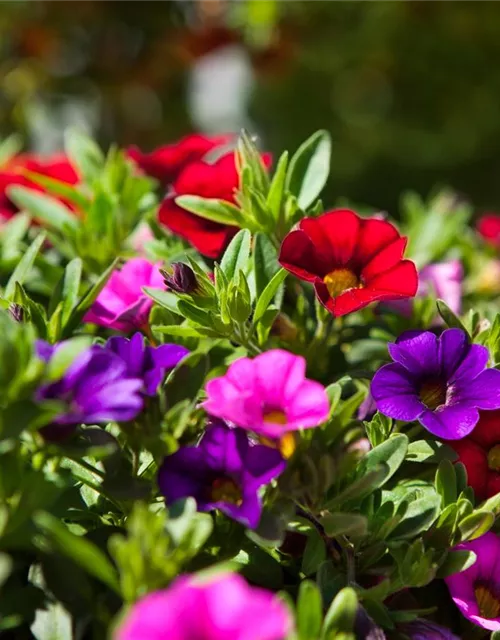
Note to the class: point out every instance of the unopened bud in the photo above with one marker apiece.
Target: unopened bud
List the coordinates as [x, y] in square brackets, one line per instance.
[16, 311]
[181, 278]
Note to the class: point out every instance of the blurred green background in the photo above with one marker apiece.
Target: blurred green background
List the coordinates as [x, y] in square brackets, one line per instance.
[410, 91]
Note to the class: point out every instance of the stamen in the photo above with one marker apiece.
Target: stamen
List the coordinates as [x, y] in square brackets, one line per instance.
[277, 417]
[226, 490]
[340, 280]
[286, 445]
[487, 602]
[433, 394]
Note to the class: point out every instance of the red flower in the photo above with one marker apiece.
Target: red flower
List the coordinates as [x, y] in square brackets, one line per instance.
[489, 227]
[351, 261]
[166, 163]
[57, 167]
[480, 453]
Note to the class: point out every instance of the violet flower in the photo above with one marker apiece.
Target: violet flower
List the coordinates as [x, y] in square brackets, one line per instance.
[223, 607]
[95, 388]
[476, 591]
[441, 382]
[269, 395]
[225, 472]
[421, 629]
[147, 363]
[122, 304]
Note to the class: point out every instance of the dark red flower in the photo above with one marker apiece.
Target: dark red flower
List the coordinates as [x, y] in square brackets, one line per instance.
[480, 453]
[351, 261]
[166, 163]
[488, 227]
[218, 180]
[57, 167]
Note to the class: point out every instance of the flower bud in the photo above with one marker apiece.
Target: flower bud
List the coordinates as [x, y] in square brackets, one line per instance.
[16, 311]
[181, 278]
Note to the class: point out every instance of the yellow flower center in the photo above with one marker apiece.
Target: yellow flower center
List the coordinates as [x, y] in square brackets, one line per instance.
[286, 445]
[487, 602]
[340, 280]
[494, 458]
[277, 417]
[432, 394]
[225, 490]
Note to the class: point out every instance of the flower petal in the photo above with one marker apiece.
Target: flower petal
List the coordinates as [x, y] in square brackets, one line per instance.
[450, 422]
[482, 392]
[418, 353]
[395, 394]
[298, 255]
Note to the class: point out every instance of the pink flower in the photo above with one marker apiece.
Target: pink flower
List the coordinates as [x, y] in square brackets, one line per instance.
[122, 305]
[224, 607]
[269, 395]
[476, 591]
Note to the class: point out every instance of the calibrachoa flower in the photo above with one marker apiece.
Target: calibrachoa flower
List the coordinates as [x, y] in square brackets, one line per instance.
[441, 382]
[421, 629]
[351, 261]
[476, 591]
[488, 226]
[223, 607]
[166, 163]
[480, 453]
[147, 363]
[269, 395]
[122, 304]
[225, 471]
[95, 388]
[57, 167]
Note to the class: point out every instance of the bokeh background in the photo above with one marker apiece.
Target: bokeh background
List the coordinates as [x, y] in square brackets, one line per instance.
[410, 91]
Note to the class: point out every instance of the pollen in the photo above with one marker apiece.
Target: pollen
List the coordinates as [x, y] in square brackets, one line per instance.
[276, 417]
[226, 490]
[487, 602]
[432, 394]
[340, 280]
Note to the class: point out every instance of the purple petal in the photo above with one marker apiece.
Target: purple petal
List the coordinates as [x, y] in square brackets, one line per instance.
[168, 356]
[44, 350]
[224, 448]
[482, 392]
[185, 474]
[472, 365]
[250, 510]
[450, 422]
[263, 464]
[119, 401]
[417, 352]
[395, 394]
[453, 348]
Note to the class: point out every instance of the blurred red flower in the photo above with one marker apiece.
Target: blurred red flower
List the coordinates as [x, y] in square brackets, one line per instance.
[167, 162]
[218, 180]
[480, 453]
[488, 227]
[351, 261]
[57, 167]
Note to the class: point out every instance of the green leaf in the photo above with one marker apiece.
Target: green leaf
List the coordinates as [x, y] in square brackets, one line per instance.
[211, 209]
[84, 154]
[314, 553]
[419, 516]
[446, 482]
[236, 256]
[65, 355]
[83, 552]
[476, 524]
[9, 147]
[276, 193]
[361, 487]
[13, 231]
[341, 614]
[24, 266]
[87, 300]
[450, 318]
[177, 330]
[268, 294]
[455, 562]
[52, 623]
[6, 566]
[348, 524]
[265, 262]
[309, 168]
[391, 452]
[44, 208]
[309, 611]
[60, 189]
[429, 451]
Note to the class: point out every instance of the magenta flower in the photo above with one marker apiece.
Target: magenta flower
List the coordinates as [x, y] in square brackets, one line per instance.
[223, 607]
[269, 395]
[225, 471]
[122, 304]
[441, 382]
[147, 363]
[476, 591]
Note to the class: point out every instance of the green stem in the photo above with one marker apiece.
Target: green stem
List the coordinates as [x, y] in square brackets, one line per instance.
[88, 467]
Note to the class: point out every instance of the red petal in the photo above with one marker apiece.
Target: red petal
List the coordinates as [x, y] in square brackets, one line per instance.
[386, 259]
[476, 463]
[399, 282]
[323, 255]
[298, 255]
[210, 238]
[374, 236]
[493, 484]
[489, 227]
[347, 302]
[487, 431]
[341, 228]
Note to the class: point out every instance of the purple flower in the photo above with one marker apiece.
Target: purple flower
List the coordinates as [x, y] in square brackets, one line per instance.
[95, 388]
[145, 362]
[441, 382]
[225, 471]
[122, 305]
[223, 607]
[421, 629]
[269, 395]
[476, 591]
